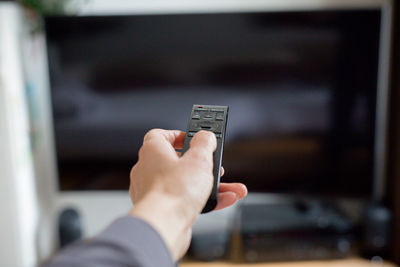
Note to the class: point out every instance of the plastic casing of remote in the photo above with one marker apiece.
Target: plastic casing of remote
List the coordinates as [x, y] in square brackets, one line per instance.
[219, 129]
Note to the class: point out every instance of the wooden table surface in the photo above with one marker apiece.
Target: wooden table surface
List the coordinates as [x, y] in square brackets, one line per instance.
[354, 262]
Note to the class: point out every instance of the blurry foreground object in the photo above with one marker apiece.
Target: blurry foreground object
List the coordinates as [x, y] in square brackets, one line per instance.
[35, 9]
[54, 7]
[69, 227]
[377, 231]
[18, 208]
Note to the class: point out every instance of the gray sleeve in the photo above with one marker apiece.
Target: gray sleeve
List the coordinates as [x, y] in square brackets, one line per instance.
[127, 242]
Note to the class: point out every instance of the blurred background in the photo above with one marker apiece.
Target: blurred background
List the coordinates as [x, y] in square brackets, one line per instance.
[313, 129]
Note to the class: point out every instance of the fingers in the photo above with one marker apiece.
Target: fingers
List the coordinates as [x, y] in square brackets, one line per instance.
[238, 188]
[202, 146]
[229, 194]
[174, 137]
[204, 140]
[225, 200]
[222, 171]
[179, 139]
[161, 142]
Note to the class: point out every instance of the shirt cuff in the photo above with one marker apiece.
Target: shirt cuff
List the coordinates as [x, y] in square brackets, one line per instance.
[140, 240]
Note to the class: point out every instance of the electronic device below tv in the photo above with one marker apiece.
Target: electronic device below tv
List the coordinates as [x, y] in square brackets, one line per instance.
[294, 230]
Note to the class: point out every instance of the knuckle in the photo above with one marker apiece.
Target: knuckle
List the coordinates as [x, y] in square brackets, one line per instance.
[146, 148]
[142, 151]
[201, 157]
[150, 134]
[132, 172]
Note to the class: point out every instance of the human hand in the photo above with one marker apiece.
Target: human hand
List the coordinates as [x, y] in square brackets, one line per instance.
[169, 191]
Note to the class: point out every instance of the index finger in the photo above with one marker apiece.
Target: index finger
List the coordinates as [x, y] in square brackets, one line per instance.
[173, 137]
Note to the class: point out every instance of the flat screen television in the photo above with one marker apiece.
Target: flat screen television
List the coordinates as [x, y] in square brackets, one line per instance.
[301, 86]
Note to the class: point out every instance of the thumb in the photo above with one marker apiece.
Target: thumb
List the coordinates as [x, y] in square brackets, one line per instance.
[202, 147]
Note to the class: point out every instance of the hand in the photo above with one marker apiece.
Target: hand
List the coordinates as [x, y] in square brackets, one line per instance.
[169, 191]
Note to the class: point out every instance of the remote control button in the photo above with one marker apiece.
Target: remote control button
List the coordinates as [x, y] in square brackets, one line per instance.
[196, 116]
[218, 135]
[206, 125]
[208, 116]
[220, 116]
[216, 110]
[217, 130]
[191, 134]
[201, 109]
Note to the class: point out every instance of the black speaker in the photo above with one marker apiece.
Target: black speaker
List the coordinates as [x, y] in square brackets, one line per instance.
[209, 246]
[376, 230]
[69, 227]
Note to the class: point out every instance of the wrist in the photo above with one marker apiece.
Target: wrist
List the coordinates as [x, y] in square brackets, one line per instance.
[168, 216]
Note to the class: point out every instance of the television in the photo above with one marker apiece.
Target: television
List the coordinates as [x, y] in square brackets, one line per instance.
[306, 83]
[302, 88]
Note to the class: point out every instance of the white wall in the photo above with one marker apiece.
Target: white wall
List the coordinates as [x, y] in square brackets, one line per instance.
[18, 209]
[96, 7]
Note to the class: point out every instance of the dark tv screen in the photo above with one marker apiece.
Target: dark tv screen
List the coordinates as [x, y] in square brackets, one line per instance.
[301, 87]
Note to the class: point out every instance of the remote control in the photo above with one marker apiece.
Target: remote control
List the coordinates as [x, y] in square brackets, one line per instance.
[209, 118]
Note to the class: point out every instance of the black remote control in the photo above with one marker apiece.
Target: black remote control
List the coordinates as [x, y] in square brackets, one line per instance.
[209, 118]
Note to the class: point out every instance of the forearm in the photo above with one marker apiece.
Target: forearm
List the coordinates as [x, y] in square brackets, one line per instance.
[129, 241]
